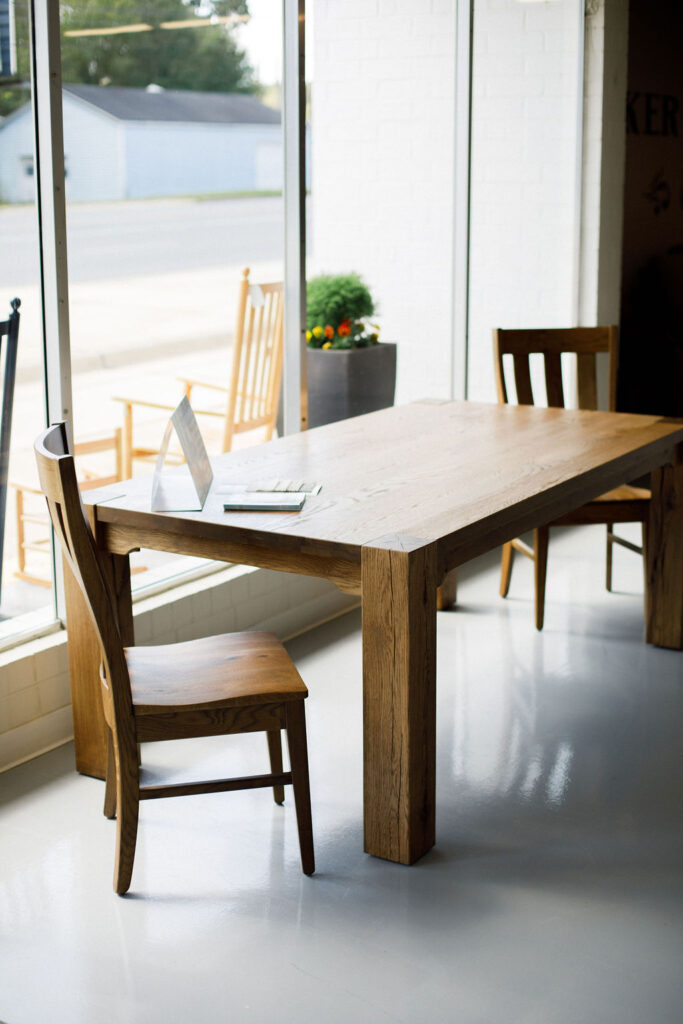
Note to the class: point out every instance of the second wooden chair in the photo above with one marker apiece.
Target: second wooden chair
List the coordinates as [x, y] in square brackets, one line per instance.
[252, 393]
[235, 683]
[626, 504]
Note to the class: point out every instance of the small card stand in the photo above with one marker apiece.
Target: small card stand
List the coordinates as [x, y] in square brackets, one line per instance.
[174, 492]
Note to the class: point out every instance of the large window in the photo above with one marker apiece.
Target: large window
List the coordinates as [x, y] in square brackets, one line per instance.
[26, 603]
[173, 177]
[174, 159]
[174, 149]
[525, 173]
[382, 134]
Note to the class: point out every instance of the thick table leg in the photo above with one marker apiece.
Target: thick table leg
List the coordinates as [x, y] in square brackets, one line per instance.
[664, 598]
[90, 732]
[399, 581]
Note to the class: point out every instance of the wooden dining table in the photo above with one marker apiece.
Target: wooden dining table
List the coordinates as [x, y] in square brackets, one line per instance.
[408, 494]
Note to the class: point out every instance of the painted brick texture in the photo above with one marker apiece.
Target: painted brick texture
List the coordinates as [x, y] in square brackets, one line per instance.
[382, 138]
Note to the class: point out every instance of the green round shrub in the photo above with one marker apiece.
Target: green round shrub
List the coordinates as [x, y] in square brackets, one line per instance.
[333, 298]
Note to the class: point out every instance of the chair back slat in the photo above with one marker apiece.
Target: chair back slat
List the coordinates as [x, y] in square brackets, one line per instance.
[587, 381]
[254, 408]
[275, 356]
[550, 343]
[243, 413]
[264, 353]
[257, 360]
[553, 380]
[613, 350]
[499, 369]
[57, 474]
[525, 394]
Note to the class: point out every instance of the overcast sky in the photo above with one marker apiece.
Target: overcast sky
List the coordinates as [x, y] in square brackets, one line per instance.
[262, 39]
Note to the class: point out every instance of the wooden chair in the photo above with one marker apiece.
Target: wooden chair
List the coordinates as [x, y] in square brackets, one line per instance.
[251, 399]
[243, 682]
[32, 521]
[624, 504]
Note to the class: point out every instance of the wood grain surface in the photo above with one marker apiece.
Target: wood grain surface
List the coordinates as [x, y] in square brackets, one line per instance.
[664, 568]
[399, 697]
[449, 473]
[408, 494]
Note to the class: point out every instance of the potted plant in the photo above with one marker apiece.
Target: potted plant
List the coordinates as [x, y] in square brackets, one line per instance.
[349, 371]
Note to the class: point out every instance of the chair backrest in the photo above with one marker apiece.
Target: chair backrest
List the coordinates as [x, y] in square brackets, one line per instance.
[9, 329]
[257, 359]
[585, 342]
[57, 475]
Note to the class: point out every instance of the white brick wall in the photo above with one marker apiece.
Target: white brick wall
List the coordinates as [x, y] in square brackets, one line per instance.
[382, 135]
[524, 97]
[383, 191]
[35, 703]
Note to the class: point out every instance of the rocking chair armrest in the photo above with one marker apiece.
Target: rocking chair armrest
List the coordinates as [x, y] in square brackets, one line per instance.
[143, 402]
[158, 405]
[189, 383]
[25, 488]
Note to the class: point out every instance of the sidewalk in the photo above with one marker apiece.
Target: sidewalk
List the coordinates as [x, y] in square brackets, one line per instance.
[120, 322]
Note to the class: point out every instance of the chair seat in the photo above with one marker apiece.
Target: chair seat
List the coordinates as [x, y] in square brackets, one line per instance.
[626, 493]
[233, 670]
[625, 504]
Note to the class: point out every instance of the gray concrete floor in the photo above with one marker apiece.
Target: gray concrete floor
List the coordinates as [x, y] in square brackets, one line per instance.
[552, 896]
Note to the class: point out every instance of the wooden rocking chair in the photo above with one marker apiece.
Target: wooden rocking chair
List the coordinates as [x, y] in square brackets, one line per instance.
[252, 396]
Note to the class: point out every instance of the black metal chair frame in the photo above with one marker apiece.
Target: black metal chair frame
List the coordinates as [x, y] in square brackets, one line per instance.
[9, 329]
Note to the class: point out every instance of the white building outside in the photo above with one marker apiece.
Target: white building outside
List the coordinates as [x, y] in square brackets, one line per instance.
[122, 143]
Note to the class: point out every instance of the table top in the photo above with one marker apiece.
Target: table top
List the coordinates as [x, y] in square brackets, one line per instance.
[464, 475]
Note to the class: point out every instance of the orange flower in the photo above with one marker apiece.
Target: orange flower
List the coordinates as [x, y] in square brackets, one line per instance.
[329, 331]
[344, 329]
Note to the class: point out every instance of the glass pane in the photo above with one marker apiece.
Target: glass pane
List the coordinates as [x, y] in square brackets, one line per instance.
[173, 156]
[27, 559]
[523, 173]
[382, 141]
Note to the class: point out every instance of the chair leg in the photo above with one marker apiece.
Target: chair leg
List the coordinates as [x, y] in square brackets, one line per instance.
[127, 806]
[506, 569]
[298, 757]
[21, 538]
[275, 751]
[540, 566]
[110, 781]
[645, 580]
[608, 559]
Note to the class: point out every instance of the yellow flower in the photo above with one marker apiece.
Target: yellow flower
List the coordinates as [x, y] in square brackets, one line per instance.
[328, 344]
[376, 326]
[317, 332]
[309, 335]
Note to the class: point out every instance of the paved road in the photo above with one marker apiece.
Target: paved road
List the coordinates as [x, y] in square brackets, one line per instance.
[126, 239]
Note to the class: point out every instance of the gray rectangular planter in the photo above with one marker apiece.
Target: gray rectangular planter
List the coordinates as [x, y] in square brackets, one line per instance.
[349, 382]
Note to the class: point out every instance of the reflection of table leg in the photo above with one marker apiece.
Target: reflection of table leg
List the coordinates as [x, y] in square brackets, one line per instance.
[399, 583]
[447, 594]
[84, 664]
[664, 601]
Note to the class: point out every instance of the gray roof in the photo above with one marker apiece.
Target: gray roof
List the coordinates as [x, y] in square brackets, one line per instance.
[175, 105]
